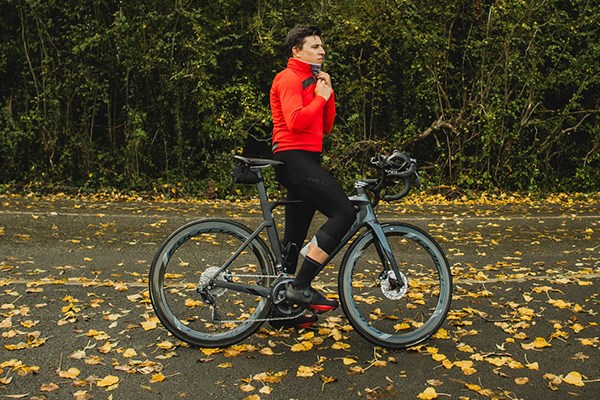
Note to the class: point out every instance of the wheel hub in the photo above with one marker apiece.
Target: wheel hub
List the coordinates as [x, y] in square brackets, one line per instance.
[208, 276]
[393, 288]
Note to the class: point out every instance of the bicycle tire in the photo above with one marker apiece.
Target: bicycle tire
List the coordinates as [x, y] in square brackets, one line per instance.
[182, 263]
[372, 308]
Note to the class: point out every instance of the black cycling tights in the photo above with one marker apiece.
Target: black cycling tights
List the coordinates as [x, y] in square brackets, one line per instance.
[306, 180]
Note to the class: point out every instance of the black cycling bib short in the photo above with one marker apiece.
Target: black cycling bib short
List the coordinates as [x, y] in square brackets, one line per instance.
[306, 180]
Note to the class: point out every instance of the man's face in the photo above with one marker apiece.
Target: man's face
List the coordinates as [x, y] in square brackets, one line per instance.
[312, 50]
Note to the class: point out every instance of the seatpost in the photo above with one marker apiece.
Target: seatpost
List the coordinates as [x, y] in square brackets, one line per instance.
[262, 191]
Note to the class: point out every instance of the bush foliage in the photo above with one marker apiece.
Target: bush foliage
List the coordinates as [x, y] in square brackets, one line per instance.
[485, 94]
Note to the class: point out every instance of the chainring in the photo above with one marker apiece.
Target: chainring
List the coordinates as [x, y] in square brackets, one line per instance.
[281, 307]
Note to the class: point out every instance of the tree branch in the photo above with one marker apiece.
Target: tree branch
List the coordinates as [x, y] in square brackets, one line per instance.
[436, 126]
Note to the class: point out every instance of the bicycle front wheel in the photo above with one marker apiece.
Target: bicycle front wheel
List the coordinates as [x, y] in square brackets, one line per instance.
[380, 310]
[180, 276]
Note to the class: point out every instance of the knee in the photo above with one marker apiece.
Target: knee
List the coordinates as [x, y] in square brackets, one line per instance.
[347, 216]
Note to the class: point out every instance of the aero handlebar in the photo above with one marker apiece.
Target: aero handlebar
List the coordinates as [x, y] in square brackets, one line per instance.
[395, 168]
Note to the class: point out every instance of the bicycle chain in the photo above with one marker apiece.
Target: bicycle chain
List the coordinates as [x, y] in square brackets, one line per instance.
[258, 320]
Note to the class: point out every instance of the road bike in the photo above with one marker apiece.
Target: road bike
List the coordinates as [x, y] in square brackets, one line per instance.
[215, 281]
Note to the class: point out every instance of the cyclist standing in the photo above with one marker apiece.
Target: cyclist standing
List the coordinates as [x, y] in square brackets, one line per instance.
[303, 110]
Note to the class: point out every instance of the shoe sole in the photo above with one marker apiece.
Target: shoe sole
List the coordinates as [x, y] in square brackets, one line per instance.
[321, 308]
[306, 325]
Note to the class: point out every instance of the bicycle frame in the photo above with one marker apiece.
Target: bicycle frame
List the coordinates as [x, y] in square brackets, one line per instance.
[365, 217]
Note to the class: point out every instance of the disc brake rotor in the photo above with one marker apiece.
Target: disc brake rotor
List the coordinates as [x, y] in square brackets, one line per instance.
[393, 288]
[208, 275]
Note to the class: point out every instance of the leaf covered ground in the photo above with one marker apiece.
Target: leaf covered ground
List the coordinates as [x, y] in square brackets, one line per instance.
[76, 321]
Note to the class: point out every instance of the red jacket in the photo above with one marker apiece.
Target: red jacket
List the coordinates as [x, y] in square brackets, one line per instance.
[299, 117]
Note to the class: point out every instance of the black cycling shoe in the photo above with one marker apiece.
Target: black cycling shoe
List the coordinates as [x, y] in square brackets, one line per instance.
[301, 321]
[310, 298]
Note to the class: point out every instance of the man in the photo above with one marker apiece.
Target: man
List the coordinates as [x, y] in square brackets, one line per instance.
[303, 110]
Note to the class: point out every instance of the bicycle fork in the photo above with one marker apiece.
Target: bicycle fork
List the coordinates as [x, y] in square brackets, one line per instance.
[366, 216]
[390, 267]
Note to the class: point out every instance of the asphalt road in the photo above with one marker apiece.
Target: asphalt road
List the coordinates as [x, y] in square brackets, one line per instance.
[76, 321]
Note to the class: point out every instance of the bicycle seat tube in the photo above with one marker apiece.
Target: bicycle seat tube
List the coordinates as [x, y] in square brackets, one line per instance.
[267, 208]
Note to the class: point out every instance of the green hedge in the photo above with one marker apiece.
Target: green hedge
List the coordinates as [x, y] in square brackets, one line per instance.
[486, 94]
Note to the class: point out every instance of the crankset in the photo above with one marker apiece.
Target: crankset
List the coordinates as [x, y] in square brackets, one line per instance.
[281, 307]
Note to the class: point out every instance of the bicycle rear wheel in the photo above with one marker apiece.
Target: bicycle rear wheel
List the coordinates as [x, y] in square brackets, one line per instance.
[187, 261]
[379, 311]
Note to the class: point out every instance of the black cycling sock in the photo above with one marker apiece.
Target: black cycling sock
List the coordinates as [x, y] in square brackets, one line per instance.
[307, 272]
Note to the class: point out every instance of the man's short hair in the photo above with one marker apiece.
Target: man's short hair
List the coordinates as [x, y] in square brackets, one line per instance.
[297, 36]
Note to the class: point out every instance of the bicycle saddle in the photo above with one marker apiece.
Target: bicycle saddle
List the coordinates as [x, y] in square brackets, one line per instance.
[258, 162]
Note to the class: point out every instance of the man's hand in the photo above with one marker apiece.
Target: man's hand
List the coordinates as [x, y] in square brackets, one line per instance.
[323, 88]
[324, 76]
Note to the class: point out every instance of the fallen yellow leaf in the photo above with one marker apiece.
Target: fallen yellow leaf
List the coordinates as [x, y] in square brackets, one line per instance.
[109, 380]
[340, 346]
[247, 388]
[538, 343]
[356, 370]
[165, 345]
[588, 341]
[266, 351]
[129, 353]
[210, 351]
[157, 378]
[428, 394]
[574, 378]
[150, 323]
[577, 328]
[441, 334]
[49, 387]
[71, 373]
[328, 379]
[534, 366]
[266, 390]
[479, 389]
[465, 348]
[401, 326]
[304, 371]
[559, 303]
[302, 346]
[105, 348]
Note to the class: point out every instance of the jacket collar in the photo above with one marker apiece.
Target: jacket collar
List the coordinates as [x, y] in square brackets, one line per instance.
[300, 66]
